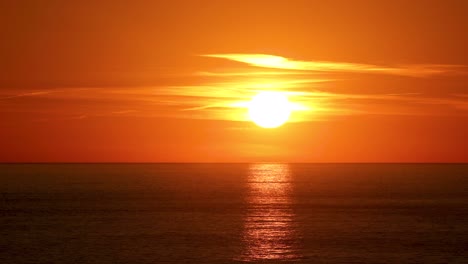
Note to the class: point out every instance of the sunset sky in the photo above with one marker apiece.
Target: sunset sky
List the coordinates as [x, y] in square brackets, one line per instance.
[168, 81]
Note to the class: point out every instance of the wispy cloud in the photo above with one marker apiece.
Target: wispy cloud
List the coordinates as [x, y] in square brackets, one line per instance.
[224, 93]
[27, 94]
[229, 101]
[246, 73]
[278, 62]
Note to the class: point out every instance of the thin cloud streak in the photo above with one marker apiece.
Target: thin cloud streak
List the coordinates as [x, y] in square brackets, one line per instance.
[231, 102]
[278, 62]
[251, 73]
[28, 94]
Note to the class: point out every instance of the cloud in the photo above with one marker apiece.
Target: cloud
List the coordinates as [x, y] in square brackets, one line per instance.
[248, 73]
[223, 93]
[227, 101]
[278, 62]
[28, 94]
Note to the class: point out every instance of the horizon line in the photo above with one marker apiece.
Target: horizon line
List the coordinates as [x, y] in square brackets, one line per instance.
[227, 162]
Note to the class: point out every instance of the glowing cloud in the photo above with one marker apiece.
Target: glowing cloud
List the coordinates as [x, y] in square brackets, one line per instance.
[278, 62]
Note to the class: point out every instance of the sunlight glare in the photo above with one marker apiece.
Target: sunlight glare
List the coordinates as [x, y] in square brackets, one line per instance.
[269, 109]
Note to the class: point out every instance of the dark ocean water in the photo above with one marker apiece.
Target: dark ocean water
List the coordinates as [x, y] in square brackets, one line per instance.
[233, 213]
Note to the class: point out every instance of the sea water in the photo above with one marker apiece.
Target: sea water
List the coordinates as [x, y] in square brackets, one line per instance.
[233, 213]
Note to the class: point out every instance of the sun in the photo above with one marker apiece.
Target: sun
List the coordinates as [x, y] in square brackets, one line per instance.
[269, 109]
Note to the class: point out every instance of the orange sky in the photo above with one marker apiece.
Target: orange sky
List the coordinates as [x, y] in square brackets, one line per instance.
[164, 81]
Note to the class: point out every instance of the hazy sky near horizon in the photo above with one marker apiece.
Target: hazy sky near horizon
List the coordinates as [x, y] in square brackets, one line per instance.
[165, 81]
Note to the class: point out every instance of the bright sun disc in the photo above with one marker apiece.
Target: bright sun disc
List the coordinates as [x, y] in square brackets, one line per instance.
[269, 109]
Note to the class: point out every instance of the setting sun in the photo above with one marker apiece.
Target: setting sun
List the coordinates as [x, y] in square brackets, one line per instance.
[269, 109]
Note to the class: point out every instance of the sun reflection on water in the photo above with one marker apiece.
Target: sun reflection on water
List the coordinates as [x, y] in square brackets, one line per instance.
[269, 227]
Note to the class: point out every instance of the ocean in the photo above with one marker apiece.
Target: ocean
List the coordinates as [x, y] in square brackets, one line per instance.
[233, 213]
